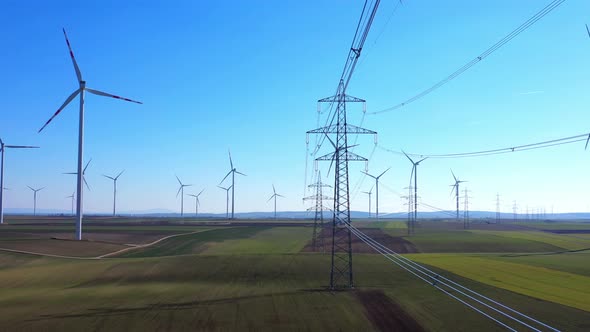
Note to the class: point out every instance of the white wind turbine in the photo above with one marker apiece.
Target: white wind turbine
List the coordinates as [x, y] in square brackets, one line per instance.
[226, 199]
[275, 195]
[35, 191]
[233, 172]
[80, 91]
[181, 190]
[3, 148]
[72, 197]
[114, 190]
[196, 201]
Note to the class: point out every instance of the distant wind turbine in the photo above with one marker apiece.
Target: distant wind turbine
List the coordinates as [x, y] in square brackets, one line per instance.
[370, 192]
[233, 172]
[114, 190]
[35, 191]
[226, 200]
[415, 174]
[181, 191]
[72, 197]
[587, 30]
[83, 174]
[376, 190]
[275, 195]
[196, 202]
[80, 91]
[456, 189]
[3, 148]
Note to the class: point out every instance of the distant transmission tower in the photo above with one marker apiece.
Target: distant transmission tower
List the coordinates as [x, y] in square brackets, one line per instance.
[317, 240]
[410, 199]
[466, 211]
[514, 209]
[497, 208]
[341, 262]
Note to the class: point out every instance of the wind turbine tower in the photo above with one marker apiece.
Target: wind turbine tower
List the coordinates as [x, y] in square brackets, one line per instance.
[80, 91]
[197, 203]
[456, 189]
[35, 191]
[72, 197]
[233, 172]
[415, 173]
[226, 199]
[376, 190]
[181, 191]
[274, 195]
[115, 178]
[370, 192]
[3, 148]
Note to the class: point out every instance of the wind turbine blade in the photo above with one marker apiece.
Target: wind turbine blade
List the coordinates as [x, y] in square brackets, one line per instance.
[273, 189]
[453, 189]
[85, 167]
[230, 187]
[86, 183]
[281, 196]
[408, 156]
[100, 93]
[421, 160]
[70, 98]
[228, 173]
[384, 172]
[200, 193]
[106, 176]
[116, 177]
[588, 140]
[178, 192]
[454, 177]
[178, 180]
[588, 30]
[78, 74]
[332, 142]
[231, 163]
[220, 187]
[40, 188]
[271, 197]
[412, 174]
[1, 143]
[241, 173]
[21, 147]
[31, 188]
[70, 173]
[187, 185]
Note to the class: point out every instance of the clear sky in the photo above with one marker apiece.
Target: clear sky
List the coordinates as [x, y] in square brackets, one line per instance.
[246, 76]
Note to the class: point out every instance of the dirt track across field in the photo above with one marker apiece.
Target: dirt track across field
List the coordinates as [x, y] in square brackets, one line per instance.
[384, 314]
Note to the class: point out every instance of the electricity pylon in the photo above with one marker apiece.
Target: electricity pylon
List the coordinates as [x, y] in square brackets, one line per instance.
[318, 208]
[341, 263]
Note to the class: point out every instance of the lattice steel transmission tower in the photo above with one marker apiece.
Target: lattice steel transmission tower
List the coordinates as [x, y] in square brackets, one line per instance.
[341, 269]
[317, 240]
[514, 209]
[466, 209]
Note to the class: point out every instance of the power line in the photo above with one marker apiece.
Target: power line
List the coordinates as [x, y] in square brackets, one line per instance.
[464, 295]
[517, 148]
[539, 15]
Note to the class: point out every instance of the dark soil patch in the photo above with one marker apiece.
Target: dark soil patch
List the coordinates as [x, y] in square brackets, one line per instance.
[384, 314]
[568, 231]
[395, 243]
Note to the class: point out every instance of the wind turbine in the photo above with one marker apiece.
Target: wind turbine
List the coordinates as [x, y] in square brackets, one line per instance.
[80, 91]
[415, 174]
[181, 190]
[114, 190]
[83, 174]
[274, 195]
[196, 201]
[233, 172]
[370, 192]
[376, 190]
[226, 200]
[3, 147]
[72, 197]
[456, 189]
[35, 191]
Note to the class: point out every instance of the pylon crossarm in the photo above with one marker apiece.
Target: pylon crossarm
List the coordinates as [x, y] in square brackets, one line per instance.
[350, 129]
[346, 99]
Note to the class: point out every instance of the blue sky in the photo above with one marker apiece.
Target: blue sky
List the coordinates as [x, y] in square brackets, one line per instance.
[246, 76]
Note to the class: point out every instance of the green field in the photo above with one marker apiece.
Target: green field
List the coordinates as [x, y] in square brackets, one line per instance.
[258, 278]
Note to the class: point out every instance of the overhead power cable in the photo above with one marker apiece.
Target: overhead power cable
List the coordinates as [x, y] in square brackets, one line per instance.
[546, 10]
[482, 304]
[517, 148]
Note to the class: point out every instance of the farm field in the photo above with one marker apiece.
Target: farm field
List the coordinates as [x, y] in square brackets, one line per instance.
[264, 278]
